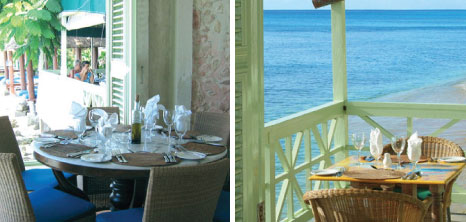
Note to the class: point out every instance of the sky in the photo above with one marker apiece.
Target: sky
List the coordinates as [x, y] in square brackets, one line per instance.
[370, 4]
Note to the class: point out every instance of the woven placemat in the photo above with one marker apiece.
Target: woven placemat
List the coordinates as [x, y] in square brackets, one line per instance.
[64, 133]
[189, 134]
[61, 150]
[405, 159]
[372, 174]
[122, 128]
[144, 159]
[204, 148]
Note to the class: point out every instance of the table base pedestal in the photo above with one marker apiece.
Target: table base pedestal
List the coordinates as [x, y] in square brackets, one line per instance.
[122, 194]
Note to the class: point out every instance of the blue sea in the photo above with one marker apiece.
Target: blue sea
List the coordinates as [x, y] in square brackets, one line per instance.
[403, 56]
[387, 52]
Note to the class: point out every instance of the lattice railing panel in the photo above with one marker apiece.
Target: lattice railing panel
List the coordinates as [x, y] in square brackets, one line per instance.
[294, 155]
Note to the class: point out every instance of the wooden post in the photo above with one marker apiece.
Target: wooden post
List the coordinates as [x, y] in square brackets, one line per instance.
[5, 68]
[30, 77]
[78, 53]
[12, 73]
[339, 76]
[95, 57]
[55, 60]
[22, 72]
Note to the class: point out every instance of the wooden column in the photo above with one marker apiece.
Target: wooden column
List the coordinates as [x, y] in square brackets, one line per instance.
[340, 93]
[95, 57]
[30, 77]
[55, 60]
[22, 72]
[78, 53]
[12, 73]
[6, 72]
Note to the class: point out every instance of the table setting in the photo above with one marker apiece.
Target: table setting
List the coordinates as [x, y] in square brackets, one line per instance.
[106, 141]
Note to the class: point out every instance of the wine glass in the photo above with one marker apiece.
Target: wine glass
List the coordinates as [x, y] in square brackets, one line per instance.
[94, 120]
[398, 146]
[358, 142]
[79, 128]
[168, 119]
[181, 127]
[414, 157]
[376, 153]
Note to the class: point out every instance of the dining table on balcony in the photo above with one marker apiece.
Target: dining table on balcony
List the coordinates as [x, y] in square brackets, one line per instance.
[435, 175]
[123, 176]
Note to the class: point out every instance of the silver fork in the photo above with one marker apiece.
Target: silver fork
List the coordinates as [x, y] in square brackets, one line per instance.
[120, 156]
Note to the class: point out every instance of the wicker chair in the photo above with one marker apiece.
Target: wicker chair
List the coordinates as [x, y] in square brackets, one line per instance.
[436, 147]
[217, 124]
[108, 109]
[345, 205]
[178, 194]
[34, 178]
[46, 204]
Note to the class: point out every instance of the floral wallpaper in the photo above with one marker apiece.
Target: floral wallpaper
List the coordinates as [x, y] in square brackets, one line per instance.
[211, 56]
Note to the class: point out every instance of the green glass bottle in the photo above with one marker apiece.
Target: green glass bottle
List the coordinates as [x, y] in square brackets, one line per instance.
[136, 125]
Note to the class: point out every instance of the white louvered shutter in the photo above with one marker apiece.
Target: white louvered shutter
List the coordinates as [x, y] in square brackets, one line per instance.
[118, 54]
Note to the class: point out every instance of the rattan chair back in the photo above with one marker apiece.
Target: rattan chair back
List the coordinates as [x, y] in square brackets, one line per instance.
[8, 143]
[184, 193]
[432, 147]
[217, 124]
[109, 110]
[14, 200]
[345, 205]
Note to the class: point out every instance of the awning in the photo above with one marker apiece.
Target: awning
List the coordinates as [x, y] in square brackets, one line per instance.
[83, 13]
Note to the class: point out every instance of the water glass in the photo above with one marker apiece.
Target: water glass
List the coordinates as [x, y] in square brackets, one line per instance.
[358, 142]
[79, 128]
[168, 118]
[398, 146]
[181, 127]
[94, 120]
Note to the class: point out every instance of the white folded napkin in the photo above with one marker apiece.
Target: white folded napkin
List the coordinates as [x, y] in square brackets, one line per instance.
[78, 111]
[151, 111]
[414, 147]
[376, 144]
[181, 111]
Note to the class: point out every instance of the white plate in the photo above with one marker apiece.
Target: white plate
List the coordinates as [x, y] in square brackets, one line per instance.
[47, 135]
[191, 155]
[209, 138]
[325, 172]
[96, 158]
[46, 140]
[452, 159]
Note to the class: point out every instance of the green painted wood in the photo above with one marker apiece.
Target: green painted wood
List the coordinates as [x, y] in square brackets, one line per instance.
[371, 122]
[340, 91]
[417, 110]
[445, 127]
[409, 126]
[249, 74]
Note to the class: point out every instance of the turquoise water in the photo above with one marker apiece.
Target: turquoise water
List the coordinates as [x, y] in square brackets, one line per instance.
[387, 52]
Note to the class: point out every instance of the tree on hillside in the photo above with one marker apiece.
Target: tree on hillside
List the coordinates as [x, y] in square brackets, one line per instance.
[34, 25]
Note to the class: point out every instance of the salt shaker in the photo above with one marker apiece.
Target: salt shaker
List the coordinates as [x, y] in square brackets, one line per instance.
[387, 161]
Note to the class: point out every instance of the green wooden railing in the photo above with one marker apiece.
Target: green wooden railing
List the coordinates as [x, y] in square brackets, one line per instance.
[286, 136]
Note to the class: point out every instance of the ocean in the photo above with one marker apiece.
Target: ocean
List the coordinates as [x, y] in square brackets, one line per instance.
[388, 52]
[392, 56]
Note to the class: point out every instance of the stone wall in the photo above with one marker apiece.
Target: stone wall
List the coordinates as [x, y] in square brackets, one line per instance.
[211, 56]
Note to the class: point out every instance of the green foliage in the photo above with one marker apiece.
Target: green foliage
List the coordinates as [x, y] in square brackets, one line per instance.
[33, 24]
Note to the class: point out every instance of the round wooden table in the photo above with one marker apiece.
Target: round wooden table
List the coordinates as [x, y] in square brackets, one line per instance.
[122, 176]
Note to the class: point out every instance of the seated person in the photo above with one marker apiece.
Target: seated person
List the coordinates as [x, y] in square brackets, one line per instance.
[86, 74]
[76, 68]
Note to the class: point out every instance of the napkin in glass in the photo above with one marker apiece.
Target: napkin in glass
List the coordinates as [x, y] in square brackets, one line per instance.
[376, 144]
